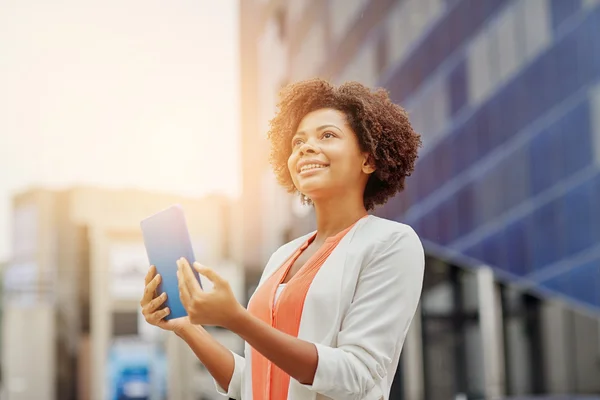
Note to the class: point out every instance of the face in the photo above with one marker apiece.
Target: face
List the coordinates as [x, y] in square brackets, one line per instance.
[326, 159]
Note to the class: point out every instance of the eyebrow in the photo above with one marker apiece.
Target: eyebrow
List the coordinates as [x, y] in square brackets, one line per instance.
[322, 127]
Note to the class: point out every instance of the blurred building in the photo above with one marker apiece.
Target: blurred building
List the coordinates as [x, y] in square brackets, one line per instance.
[506, 192]
[72, 325]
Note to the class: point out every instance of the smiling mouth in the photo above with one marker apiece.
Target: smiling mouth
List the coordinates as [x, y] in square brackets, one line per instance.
[312, 167]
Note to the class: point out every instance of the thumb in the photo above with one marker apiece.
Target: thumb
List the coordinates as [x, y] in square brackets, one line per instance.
[209, 273]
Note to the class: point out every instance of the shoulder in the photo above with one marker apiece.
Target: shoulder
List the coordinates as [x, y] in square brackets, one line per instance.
[389, 249]
[379, 232]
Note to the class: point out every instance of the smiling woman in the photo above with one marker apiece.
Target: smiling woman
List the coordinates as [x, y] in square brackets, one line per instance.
[350, 122]
[333, 307]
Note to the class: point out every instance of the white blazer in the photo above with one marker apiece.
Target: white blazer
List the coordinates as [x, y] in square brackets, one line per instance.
[357, 313]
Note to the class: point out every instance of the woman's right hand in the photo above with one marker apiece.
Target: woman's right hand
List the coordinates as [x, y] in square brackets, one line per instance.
[151, 305]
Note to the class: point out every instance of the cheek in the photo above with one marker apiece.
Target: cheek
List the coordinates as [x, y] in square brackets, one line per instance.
[291, 164]
[349, 165]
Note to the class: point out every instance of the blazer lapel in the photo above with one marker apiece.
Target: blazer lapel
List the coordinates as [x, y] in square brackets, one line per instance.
[281, 256]
[323, 304]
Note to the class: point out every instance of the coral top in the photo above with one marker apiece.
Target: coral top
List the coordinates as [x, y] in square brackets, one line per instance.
[284, 313]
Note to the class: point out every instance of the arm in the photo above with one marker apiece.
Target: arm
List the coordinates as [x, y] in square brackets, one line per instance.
[298, 358]
[384, 304]
[225, 367]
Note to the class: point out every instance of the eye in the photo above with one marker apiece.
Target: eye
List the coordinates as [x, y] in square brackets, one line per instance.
[328, 135]
[296, 142]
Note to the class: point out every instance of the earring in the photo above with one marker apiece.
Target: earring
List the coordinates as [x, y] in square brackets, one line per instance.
[305, 199]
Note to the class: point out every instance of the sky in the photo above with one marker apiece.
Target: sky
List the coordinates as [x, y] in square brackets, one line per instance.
[118, 94]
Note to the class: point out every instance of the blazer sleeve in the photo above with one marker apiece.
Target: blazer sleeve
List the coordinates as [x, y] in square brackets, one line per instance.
[385, 301]
[235, 385]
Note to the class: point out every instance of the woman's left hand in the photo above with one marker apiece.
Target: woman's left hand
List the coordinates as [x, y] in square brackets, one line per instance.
[218, 307]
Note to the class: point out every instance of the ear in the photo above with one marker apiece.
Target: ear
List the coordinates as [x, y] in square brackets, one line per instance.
[368, 165]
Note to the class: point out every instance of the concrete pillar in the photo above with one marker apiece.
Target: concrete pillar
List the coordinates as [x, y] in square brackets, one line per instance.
[28, 352]
[412, 361]
[556, 355]
[490, 317]
[101, 323]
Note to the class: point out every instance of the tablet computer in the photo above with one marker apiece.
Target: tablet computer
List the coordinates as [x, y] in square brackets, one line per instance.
[167, 239]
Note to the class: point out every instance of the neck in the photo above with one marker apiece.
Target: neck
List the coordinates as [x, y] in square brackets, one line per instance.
[337, 213]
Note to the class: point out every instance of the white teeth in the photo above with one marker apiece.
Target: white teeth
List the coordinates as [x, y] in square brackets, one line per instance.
[311, 166]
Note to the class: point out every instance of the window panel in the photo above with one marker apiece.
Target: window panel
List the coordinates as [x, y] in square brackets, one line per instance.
[595, 182]
[363, 68]
[561, 284]
[475, 251]
[537, 31]
[547, 161]
[516, 183]
[578, 218]
[464, 212]
[295, 10]
[343, 14]
[457, 88]
[585, 282]
[479, 68]
[517, 258]
[399, 32]
[562, 10]
[548, 234]
[576, 139]
[506, 40]
[417, 9]
[497, 257]
[594, 121]
[487, 198]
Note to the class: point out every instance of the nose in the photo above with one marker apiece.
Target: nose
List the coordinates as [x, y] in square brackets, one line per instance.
[307, 148]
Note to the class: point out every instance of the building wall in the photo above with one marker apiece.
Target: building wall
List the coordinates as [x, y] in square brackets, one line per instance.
[509, 172]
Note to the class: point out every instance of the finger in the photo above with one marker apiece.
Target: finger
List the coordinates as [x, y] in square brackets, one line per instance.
[156, 303]
[212, 276]
[150, 290]
[159, 315]
[188, 275]
[184, 294]
[150, 274]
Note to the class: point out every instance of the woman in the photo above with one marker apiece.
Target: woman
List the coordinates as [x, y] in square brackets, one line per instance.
[332, 308]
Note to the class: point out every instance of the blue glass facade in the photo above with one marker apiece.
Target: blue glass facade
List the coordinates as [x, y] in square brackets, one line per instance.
[513, 180]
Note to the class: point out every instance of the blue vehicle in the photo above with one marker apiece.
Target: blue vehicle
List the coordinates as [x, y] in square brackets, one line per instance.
[133, 384]
[136, 370]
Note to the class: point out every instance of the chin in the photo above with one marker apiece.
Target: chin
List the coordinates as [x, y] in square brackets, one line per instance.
[311, 185]
[314, 191]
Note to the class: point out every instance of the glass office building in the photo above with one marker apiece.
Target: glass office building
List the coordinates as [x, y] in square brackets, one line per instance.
[507, 96]
[506, 192]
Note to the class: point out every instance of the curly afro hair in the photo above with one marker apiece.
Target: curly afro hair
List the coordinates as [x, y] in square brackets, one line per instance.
[382, 128]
